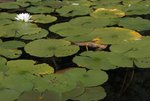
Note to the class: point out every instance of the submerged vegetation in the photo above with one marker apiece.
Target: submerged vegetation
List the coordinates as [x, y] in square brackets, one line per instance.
[71, 49]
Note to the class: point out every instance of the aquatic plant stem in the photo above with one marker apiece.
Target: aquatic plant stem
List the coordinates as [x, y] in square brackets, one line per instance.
[55, 63]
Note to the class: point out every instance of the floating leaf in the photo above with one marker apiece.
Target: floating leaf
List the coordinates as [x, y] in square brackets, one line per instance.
[3, 64]
[44, 18]
[60, 83]
[142, 62]
[73, 10]
[9, 5]
[41, 34]
[138, 23]
[134, 49]
[19, 29]
[107, 13]
[115, 35]
[90, 22]
[40, 9]
[139, 8]
[28, 66]
[30, 96]
[11, 82]
[8, 95]
[9, 49]
[47, 48]
[87, 78]
[94, 60]
[5, 15]
[91, 94]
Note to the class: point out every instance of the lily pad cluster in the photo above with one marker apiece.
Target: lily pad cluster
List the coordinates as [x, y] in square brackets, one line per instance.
[73, 30]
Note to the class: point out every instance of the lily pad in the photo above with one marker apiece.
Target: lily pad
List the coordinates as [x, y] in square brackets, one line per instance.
[90, 22]
[43, 18]
[139, 8]
[102, 60]
[73, 10]
[67, 29]
[11, 82]
[4, 15]
[40, 9]
[41, 34]
[115, 35]
[138, 23]
[28, 66]
[60, 83]
[134, 49]
[87, 78]
[8, 95]
[9, 49]
[142, 62]
[2, 64]
[9, 5]
[107, 13]
[91, 94]
[19, 29]
[47, 48]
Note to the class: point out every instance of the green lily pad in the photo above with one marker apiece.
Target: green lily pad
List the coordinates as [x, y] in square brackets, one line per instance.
[11, 82]
[5, 15]
[139, 8]
[142, 62]
[90, 22]
[9, 49]
[38, 96]
[28, 1]
[138, 23]
[73, 10]
[41, 34]
[53, 4]
[107, 13]
[40, 9]
[30, 96]
[115, 35]
[134, 49]
[73, 93]
[91, 94]
[94, 60]
[87, 78]
[102, 60]
[43, 18]
[60, 83]
[3, 64]
[8, 95]
[9, 5]
[47, 48]
[19, 29]
[67, 29]
[28, 66]
[5, 22]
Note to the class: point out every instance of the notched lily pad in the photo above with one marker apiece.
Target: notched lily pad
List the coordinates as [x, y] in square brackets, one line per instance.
[115, 35]
[51, 47]
[87, 78]
[73, 10]
[9, 49]
[28, 66]
[91, 94]
[40, 9]
[43, 18]
[107, 13]
[134, 49]
[138, 23]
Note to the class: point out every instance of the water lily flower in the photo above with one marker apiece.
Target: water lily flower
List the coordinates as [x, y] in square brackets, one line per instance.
[23, 17]
[75, 4]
